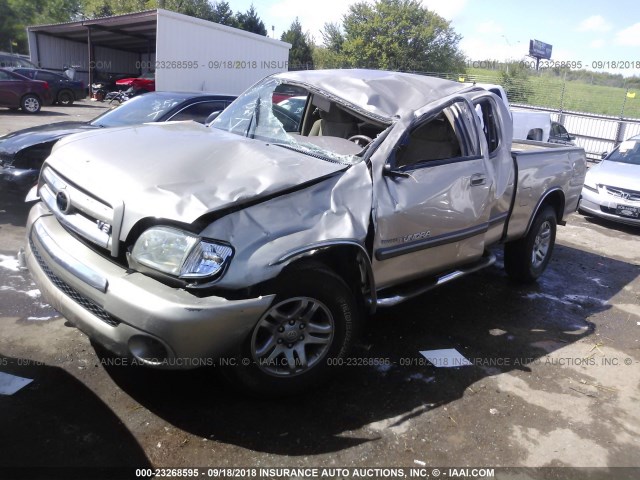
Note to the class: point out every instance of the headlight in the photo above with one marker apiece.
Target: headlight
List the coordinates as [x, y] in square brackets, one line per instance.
[589, 182]
[179, 253]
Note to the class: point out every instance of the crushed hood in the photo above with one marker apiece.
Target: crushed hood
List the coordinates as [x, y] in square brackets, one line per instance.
[180, 170]
[14, 142]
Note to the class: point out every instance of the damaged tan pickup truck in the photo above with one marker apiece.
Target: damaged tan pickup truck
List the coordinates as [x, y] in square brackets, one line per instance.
[269, 236]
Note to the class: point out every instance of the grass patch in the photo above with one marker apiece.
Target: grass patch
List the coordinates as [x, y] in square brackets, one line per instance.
[577, 96]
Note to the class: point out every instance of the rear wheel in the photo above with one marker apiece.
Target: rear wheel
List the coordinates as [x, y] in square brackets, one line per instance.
[30, 104]
[65, 98]
[526, 259]
[305, 333]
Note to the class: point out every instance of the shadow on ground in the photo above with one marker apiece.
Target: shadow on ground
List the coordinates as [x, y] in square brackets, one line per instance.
[13, 209]
[67, 424]
[483, 316]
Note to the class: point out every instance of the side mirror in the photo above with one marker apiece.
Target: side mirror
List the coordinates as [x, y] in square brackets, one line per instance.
[572, 137]
[212, 116]
[604, 154]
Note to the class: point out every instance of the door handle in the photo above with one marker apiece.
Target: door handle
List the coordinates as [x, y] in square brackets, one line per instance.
[478, 179]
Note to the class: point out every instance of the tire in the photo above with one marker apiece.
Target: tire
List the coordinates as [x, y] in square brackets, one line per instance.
[30, 104]
[65, 98]
[526, 259]
[296, 344]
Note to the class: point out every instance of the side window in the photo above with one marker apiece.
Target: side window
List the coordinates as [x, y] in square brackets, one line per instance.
[49, 77]
[199, 112]
[5, 76]
[562, 131]
[485, 109]
[433, 140]
[25, 73]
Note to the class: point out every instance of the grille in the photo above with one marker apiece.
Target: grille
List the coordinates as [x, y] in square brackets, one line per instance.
[623, 193]
[79, 211]
[72, 293]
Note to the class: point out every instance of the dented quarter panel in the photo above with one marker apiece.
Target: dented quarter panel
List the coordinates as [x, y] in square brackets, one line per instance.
[335, 209]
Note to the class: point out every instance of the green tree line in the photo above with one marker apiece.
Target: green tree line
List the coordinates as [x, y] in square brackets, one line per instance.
[387, 34]
[16, 15]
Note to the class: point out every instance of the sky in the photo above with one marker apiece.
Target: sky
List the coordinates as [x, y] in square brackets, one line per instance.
[593, 32]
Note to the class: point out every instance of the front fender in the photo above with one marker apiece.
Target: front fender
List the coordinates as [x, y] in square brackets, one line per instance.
[336, 209]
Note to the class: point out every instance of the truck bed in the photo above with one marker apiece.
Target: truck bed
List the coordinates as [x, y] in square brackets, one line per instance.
[542, 168]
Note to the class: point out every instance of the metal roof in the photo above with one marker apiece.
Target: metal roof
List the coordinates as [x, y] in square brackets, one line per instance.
[133, 32]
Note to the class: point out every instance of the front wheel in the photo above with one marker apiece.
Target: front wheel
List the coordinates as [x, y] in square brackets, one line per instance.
[30, 104]
[526, 259]
[307, 332]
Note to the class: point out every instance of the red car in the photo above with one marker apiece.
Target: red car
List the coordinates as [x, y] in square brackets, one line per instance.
[145, 82]
[17, 91]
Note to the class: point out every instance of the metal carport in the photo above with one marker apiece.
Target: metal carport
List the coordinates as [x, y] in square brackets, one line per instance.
[186, 53]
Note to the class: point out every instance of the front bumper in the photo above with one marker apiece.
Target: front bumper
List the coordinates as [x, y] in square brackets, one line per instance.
[129, 313]
[18, 180]
[604, 205]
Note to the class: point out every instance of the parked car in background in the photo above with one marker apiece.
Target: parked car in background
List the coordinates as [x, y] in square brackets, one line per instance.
[64, 90]
[295, 105]
[105, 82]
[23, 152]
[560, 135]
[17, 91]
[612, 187]
[143, 83]
[282, 92]
[12, 60]
[530, 124]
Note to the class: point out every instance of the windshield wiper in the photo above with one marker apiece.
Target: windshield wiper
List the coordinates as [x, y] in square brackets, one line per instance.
[256, 117]
[305, 151]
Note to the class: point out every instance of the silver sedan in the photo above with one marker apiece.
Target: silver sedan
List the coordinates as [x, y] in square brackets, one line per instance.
[612, 188]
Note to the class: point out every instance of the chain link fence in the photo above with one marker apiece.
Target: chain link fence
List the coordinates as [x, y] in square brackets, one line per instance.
[560, 95]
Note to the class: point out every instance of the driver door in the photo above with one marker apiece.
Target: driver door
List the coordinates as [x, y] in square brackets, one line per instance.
[433, 198]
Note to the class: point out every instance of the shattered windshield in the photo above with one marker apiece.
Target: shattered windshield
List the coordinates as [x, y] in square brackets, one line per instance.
[256, 114]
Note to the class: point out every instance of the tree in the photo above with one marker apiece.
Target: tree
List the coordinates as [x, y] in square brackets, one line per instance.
[105, 8]
[194, 8]
[300, 54]
[400, 35]
[325, 58]
[250, 21]
[332, 37]
[223, 14]
[17, 15]
[9, 34]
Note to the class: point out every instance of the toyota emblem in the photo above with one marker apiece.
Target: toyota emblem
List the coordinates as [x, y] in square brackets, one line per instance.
[63, 202]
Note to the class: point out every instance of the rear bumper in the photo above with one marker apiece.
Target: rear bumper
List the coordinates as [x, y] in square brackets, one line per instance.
[127, 312]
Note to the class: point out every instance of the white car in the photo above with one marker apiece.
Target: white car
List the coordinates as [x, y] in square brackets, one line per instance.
[612, 188]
